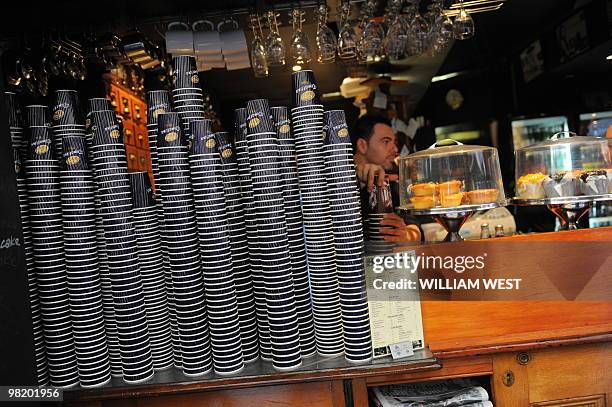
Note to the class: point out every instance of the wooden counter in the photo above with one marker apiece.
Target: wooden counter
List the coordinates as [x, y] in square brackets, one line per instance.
[557, 353]
[460, 328]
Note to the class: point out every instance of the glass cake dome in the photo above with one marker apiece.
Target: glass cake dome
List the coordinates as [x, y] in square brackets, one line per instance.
[566, 165]
[449, 174]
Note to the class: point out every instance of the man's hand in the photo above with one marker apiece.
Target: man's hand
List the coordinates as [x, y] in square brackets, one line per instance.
[393, 229]
[367, 172]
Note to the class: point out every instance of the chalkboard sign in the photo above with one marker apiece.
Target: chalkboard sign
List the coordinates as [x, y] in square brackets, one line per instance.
[17, 365]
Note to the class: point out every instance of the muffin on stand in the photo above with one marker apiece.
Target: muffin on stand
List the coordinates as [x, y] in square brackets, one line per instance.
[562, 184]
[594, 182]
[529, 186]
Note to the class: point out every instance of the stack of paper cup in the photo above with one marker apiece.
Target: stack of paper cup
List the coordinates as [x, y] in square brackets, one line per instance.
[273, 240]
[182, 240]
[239, 247]
[250, 218]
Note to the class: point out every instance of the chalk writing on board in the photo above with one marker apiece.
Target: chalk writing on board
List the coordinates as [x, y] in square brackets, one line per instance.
[9, 242]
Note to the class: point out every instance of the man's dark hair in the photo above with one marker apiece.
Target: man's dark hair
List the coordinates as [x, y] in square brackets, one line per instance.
[364, 127]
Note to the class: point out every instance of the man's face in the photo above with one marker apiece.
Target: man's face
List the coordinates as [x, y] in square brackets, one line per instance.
[382, 146]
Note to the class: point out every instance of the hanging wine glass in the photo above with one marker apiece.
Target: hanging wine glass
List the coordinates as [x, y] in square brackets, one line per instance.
[445, 29]
[275, 48]
[347, 38]
[372, 35]
[326, 38]
[397, 34]
[463, 26]
[419, 33]
[300, 47]
[439, 29]
[259, 59]
[407, 17]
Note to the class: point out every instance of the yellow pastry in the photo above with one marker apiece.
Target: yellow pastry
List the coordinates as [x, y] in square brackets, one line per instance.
[449, 200]
[449, 188]
[423, 202]
[481, 196]
[530, 186]
[424, 189]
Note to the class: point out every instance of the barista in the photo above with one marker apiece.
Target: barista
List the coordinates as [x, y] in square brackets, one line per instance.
[375, 149]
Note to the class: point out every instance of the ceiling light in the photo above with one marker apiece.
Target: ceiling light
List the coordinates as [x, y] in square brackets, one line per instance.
[609, 57]
[445, 77]
[297, 68]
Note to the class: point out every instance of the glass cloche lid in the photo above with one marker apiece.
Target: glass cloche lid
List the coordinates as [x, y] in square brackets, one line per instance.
[566, 165]
[450, 174]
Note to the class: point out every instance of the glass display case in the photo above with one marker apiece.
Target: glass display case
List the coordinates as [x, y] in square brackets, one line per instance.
[449, 175]
[564, 166]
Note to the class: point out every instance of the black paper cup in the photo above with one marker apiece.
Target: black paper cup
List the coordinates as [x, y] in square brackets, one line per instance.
[37, 115]
[258, 117]
[182, 94]
[336, 128]
[105, 128]
[279, 114]
[187, 102]
[67, 109]
[95, 104]
[304, 86]
[185, 72]
[41, 145]
[306, 114]
[74, 154]
[203, 139]
[142, 191]
[170, 132]
[187, 93]
[158, 101]
[307, 111]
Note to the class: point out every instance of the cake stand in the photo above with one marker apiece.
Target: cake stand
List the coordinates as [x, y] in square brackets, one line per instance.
[453, 218]
[569, 209]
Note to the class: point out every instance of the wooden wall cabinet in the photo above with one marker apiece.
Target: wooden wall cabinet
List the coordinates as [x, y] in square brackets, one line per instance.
[133, 111]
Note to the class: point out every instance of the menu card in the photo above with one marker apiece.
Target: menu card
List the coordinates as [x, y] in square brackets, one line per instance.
[395, 315]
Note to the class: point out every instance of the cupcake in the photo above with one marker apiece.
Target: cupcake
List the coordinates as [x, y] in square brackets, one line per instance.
[530, 186]
[594, 182]
[449, 188]
[424, 189]
[423, 202]
[481, 196]
[561, 184]
[450, 200]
